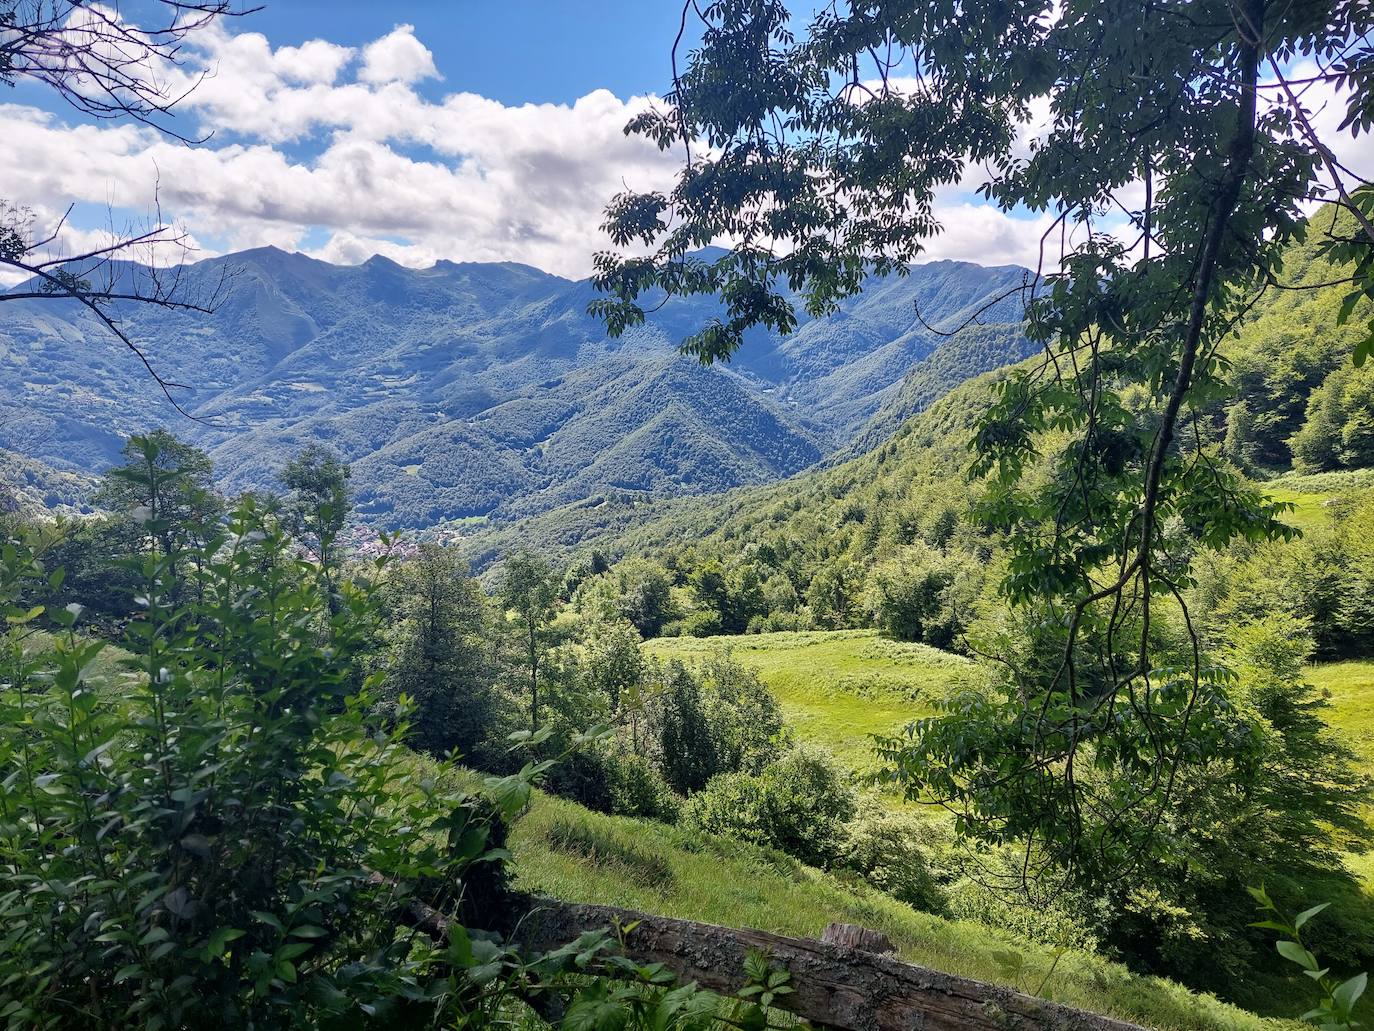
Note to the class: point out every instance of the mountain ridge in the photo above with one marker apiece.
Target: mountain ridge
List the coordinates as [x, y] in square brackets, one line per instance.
[476, 389]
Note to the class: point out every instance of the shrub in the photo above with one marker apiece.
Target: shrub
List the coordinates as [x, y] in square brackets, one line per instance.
[694, 624]
[198, 840]
[1059, 921]
[743, 718]
[681, 737]
[892, 850]
[637, 788]
[611, 778]
[798, 805]
[922, 594]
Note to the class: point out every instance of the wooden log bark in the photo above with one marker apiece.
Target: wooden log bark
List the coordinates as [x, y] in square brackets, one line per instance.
[835, 985]
[853, 936]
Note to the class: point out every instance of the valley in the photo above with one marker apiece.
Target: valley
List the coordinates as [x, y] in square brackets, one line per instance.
[469, 391]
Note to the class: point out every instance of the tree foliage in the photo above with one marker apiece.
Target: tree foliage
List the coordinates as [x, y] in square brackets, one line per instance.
[529, 593]
[438, 656]
[821, 162]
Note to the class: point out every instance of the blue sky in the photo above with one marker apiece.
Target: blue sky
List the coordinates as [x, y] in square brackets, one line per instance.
[464, 130]
[514, 51]
[485, 130]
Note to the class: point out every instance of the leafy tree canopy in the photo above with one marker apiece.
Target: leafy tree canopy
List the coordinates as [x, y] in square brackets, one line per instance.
[1175, 164]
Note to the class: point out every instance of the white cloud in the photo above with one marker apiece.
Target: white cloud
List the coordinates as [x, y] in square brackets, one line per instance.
[1325, 109]
[981, 233]
[315, 61]
[323, 143]
[397, 57]
[332, 145]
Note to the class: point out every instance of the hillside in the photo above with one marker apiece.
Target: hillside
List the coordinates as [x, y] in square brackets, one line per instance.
[1289, 363]
[30, 487]
[563, 850]
[820, 511]
[481, 390]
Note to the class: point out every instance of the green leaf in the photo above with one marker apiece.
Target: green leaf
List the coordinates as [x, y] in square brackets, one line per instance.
[1346, 994]
[220, 940]
[1362, 351]
[24, 617]
[1295, 953]
[596, 1014]
[1308, 914]
[459, 947]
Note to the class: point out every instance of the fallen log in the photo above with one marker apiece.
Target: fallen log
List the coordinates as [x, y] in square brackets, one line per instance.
[837, 982]
[835, 985]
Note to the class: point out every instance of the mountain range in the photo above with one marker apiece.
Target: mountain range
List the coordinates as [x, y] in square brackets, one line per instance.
[467, 391]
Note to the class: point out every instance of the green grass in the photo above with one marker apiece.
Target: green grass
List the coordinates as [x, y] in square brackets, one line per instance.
[838, 688]
[565, 851]
[1349, 687]
[1312, 494]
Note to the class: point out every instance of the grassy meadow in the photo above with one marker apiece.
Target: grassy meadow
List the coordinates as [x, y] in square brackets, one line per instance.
[837, 688]
[563, 850]
[1312, 495]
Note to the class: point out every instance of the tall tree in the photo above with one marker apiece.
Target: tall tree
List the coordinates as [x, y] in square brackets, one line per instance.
[165, 486]
[614, 664]
[318, 505]
[438, 629]
[1170, 187]
[529, 592]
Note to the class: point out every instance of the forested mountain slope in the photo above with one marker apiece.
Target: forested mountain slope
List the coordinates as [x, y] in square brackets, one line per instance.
[1298, 405]
[468, 390]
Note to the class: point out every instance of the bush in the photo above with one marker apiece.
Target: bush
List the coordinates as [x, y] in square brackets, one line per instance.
[721, 719]
[681, 737]
[611, 778]
[798, 805]
[743, 718]
[220, 836]
[197, 839]
[892, 849]
[637, 788]
[694, 624]
[1058, 922]
[922, 594]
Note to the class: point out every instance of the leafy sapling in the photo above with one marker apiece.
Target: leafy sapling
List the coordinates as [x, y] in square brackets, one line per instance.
[1335, 1011]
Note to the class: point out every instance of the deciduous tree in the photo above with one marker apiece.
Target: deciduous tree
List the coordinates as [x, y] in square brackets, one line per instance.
[1173, 166]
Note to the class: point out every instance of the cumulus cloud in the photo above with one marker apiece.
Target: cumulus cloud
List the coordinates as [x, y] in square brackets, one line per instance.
[397, 57]
[983, 234]
[464, 178]
[335, 149]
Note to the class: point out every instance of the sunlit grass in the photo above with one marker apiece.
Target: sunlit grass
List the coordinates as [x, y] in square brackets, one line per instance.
[1311, 495]
[565, 851]
[1349, 687]
[838, 688]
